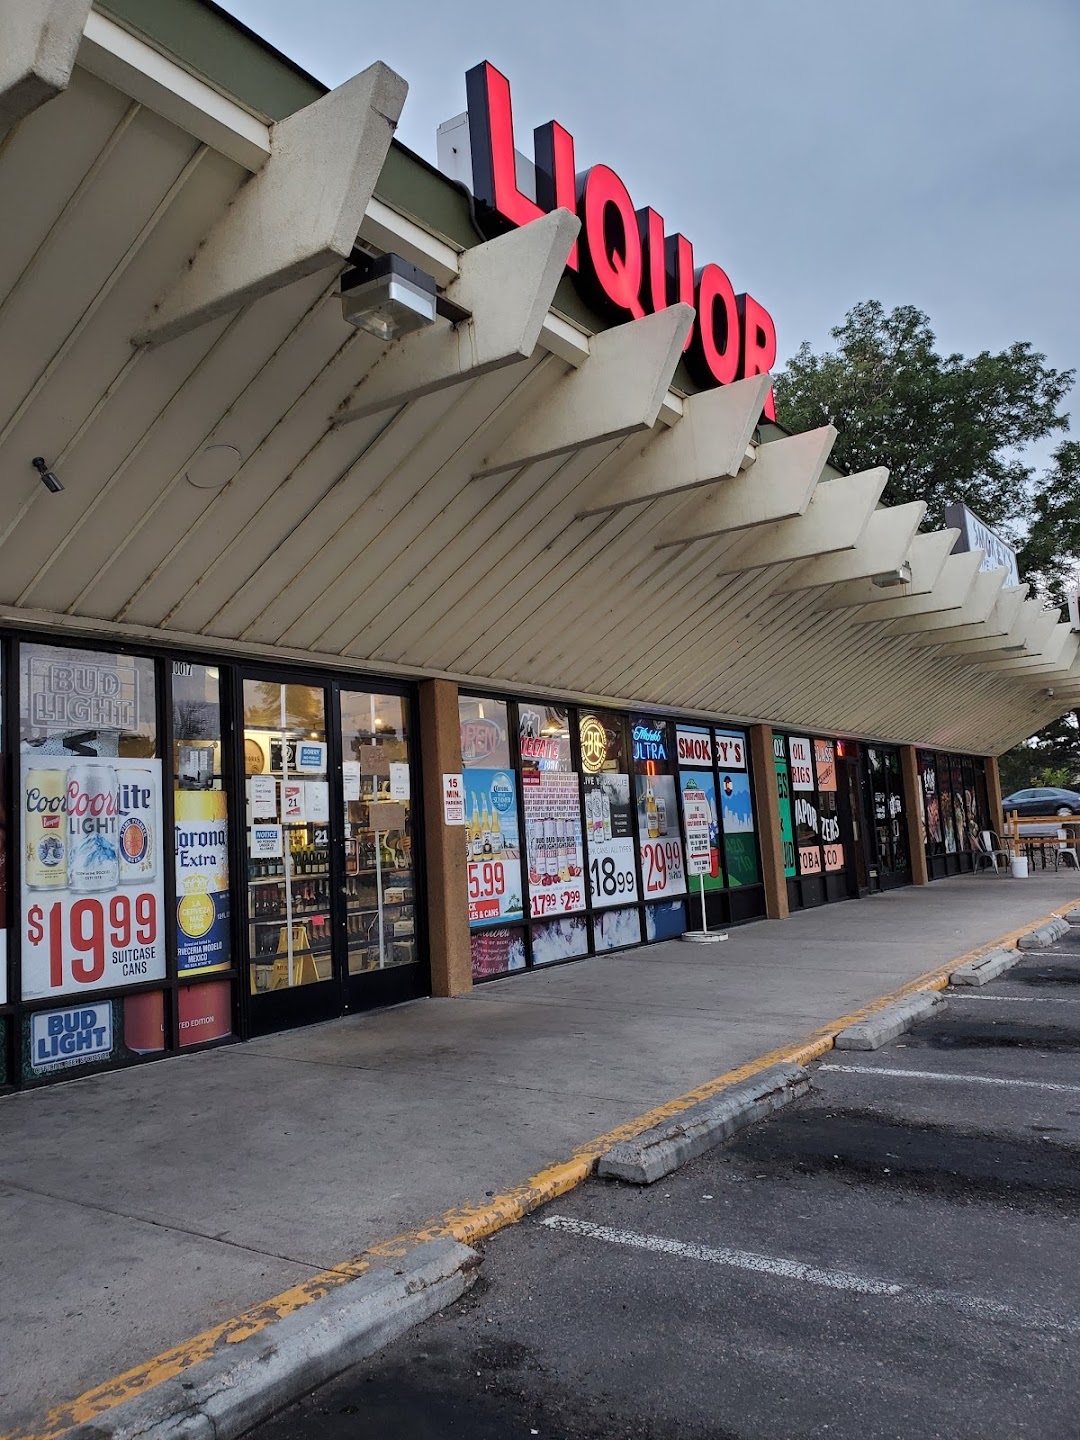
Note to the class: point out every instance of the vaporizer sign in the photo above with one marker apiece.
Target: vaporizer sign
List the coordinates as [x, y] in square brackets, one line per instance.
[91, 874]
[202, 881]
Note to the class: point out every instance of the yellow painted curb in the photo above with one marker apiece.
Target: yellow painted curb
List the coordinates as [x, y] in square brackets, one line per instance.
[470, 1224]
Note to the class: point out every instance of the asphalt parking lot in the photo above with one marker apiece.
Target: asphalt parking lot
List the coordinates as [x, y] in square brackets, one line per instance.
[895, 1255]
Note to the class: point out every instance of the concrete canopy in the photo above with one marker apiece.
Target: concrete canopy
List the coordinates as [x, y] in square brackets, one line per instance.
[512, 501]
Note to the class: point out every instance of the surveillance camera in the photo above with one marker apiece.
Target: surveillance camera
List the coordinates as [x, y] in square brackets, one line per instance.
[48, 479]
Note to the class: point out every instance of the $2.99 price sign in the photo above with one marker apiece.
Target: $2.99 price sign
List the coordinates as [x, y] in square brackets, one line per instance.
[92, 943]
[563, 900]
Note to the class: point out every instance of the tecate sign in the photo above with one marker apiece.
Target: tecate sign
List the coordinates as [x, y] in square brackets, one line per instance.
[623, 262]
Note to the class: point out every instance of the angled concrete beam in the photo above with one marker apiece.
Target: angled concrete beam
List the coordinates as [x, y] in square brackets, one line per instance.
[777, 486]
[1058, 653]
[1028, 635]
[999, 625]
[507, 285]
[39, 40]
[883, 548]
[835, 520]
[619, 389]
[300, 213]
[926, 557]
[976, 609]
[707, 444]
[949, 593]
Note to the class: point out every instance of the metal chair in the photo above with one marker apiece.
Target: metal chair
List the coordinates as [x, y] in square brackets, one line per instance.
[990, 847]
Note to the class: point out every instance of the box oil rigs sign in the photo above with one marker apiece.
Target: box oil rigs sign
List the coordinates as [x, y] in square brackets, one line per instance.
[623, 262]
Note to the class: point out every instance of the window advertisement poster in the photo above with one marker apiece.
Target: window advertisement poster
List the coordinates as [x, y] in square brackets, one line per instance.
[808, 834]
[3, 911]
[494, 866]
[563, 939]
[92, 891]
[612, 852]
[553, 847]
[730, 748]
[616, 929]
[665, 921]
[825, 759]
[700, 786]
[204, 1012]
[802, 770]
[737, 814]
[660, 841]
[202, 882]
[497, 952]
[660, 845]
[783, 792]
[93, 1033]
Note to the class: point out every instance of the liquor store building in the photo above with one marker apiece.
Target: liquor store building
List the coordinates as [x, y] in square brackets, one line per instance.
[388, 600]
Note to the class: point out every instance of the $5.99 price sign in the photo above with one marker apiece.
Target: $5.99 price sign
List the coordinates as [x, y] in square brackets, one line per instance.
[91, 943]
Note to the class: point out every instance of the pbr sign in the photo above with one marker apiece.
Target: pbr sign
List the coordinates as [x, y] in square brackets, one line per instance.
[623, 262]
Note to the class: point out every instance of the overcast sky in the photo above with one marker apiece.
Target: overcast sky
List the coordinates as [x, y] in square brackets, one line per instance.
[822, 151]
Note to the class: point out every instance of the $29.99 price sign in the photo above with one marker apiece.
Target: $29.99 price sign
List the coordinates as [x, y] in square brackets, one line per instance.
[662, 868]
[92, 943]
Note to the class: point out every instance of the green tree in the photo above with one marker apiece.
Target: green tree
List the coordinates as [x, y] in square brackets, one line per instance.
[949, 427]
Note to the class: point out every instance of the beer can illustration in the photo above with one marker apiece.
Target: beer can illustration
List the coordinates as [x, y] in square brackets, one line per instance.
[136, 811]
[93, 827]
[45, 829]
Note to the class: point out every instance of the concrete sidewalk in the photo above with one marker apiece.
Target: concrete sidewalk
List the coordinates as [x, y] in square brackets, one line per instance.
[141, 1207]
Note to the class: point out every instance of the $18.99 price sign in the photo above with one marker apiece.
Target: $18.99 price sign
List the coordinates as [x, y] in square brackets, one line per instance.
[91, 943]
[612, 873]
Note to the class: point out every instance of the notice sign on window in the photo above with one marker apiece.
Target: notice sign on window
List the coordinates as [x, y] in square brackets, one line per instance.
[697, 818]
[453, 789]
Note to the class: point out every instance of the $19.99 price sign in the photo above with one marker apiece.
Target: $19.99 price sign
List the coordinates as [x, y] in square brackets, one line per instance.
[92, 943]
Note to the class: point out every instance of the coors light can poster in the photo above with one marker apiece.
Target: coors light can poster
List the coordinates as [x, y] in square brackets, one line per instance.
[91, 877]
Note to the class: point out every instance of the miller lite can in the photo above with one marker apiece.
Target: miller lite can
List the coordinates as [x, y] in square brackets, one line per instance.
[93, 827]
[45, 830]
[137, 842]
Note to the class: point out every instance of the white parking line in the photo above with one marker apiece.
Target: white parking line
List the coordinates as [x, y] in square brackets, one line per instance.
[1017, 999]
[975, 1306]
[892, 1074]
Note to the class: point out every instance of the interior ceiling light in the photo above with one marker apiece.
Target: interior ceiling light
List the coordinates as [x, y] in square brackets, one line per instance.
[388, 297]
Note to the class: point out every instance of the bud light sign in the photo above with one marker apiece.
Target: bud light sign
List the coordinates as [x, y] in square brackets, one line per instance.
[62, 1038]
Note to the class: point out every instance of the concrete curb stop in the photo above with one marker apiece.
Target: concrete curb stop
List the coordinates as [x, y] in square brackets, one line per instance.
[884, 1025]
[986, 968]
[1073, 917]
[1045, 935]
[657, 1152]
[243, 1383]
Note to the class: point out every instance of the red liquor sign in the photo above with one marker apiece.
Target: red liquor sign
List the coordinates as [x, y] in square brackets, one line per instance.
[623, 262]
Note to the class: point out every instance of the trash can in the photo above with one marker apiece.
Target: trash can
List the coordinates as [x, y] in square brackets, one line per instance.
[1019, 867]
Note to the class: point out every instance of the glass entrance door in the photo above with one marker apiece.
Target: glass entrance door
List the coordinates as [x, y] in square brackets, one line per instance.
[292, 976]
[383, 962]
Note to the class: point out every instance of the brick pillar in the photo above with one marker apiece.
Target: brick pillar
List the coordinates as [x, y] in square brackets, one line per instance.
[993, 794]
[913, 814]
[447, 883]
[767, 812]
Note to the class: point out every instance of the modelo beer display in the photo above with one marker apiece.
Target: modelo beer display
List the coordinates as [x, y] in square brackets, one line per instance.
[92, 888]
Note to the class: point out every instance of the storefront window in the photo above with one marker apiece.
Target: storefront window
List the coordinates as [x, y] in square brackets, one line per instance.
[288, 822]
[783, 792]
[807, 820]
[492, 837]
[552, 815]
[91, 872]
[697, 780]
[201, 830]
[736, 808]
[825, 768]
[380, 898]
[948, 814]
[609, 822]
[660, 846]
[931, 805]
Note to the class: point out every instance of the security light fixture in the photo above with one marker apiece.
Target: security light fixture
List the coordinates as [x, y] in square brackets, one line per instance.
[48, 479]
[900, 576]
[387, 296]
